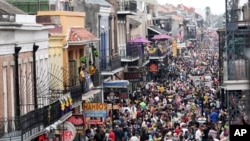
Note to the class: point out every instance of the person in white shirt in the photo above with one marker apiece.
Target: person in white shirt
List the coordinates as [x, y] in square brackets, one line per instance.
[198, 134]
[134, 138]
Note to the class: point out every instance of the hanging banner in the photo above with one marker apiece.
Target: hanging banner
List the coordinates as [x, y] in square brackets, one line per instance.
[174, 47]
[95, 109]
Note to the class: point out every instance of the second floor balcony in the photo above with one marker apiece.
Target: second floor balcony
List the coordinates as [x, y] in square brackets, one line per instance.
[127, 7]
[157, 53]
[132, 53]
[111, 65]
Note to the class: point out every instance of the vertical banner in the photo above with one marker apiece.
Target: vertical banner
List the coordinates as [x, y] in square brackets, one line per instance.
[174, 47]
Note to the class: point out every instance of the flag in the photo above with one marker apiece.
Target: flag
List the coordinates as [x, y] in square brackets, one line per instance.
[179, 35]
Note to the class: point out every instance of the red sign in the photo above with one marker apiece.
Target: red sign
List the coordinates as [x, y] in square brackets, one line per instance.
[67, 135]
[133, 76]
[76, 120]
[153, 68]
[69, 131]
[92, 121]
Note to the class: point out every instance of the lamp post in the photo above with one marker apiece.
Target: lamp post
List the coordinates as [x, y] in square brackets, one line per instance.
[111, 98]
[202, 99]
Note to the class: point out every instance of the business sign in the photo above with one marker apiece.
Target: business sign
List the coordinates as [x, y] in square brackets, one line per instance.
[68, 131]
[78, 122]
[153, 68]
[94, 109]
[94, 121]
[133, 76]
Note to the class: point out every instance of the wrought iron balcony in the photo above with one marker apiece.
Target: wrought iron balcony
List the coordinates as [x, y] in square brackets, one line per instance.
[156, 53]
[112, 64]
[127, 7]
[132, 54]
[9, 129]
[36, 120]
[115, 62]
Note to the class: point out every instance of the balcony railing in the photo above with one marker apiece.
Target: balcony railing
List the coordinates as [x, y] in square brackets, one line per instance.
[127, 6]
[36, 120]
[156, 52]
[132, 53]
[9, 128]
[114, 63]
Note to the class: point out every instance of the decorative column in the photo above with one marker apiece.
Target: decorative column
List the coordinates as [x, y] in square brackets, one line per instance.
[17, 98]
[35, 48]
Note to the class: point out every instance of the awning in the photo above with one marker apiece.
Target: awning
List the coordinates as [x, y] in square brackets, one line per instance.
[134, 22]
[157, 30]
[80, 36]
[116, 84]
[112, 72]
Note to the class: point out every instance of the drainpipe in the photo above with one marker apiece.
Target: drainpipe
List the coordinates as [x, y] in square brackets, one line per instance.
[17, 98]
[110, 35]
[115, 37]
[35, 48]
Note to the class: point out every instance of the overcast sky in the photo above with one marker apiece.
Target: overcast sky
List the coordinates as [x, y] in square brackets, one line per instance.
[217, 6]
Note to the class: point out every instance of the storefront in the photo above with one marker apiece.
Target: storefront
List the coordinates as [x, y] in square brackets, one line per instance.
[134, 77]
[152, 70]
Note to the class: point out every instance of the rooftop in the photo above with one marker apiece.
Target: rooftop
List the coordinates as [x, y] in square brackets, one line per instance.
[8, 9]
[80, 34]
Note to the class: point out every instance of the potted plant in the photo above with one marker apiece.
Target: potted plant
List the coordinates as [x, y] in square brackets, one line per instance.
[83, 59]
[95, 52]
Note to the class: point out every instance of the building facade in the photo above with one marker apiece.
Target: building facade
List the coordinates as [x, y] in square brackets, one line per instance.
[29, 42]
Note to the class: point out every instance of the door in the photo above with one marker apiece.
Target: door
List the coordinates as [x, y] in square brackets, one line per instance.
[73, 75]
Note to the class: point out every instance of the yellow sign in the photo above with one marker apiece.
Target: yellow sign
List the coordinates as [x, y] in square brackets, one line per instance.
[94, 106]
[174, 47]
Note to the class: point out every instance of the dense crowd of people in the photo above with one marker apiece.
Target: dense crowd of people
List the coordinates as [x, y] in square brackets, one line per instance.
[181, 105]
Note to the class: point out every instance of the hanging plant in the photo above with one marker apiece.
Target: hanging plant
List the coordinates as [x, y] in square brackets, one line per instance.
[96, 53]
[83, 59]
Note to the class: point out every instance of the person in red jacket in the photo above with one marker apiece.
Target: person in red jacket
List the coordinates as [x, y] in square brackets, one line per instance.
[177, 130]
[112, 135]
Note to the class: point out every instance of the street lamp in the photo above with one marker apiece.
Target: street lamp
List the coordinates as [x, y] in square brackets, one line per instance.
[111, 98]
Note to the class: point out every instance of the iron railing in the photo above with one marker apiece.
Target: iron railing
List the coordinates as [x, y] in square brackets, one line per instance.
[9, 127]
[113, 63]
[158, 53]
[128, 5]
[36, 120]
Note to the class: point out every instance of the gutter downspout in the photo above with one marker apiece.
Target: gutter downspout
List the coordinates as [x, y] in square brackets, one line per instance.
[17, 98]
[110, 35]
[115, 37]
[35, 48]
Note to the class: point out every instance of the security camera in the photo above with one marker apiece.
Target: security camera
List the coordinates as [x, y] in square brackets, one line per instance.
[102, 26]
